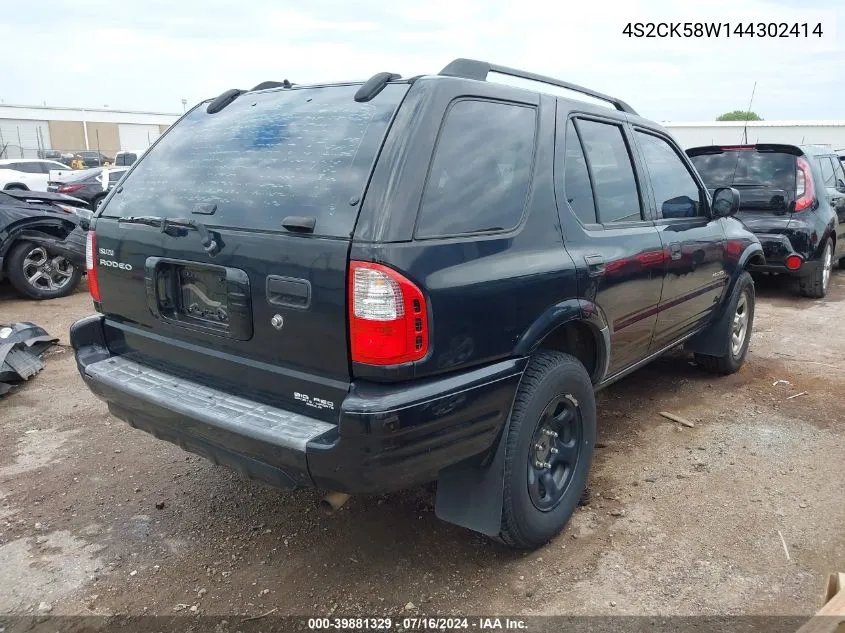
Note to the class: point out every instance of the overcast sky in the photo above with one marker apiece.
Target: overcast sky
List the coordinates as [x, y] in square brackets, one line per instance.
[150, 54]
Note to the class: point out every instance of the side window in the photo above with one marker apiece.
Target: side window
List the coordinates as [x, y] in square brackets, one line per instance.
[675, 190]
[481, 170]
[29, 168]
[838, 174]
[827, 170]
[579, 191]
[616, 195]
[46, 167]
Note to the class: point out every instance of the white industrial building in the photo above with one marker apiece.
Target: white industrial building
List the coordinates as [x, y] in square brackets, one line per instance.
[829, 133]
[27, 130]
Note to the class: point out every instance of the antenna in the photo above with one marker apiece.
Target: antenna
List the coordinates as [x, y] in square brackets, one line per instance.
[748, 114]
[744, 132]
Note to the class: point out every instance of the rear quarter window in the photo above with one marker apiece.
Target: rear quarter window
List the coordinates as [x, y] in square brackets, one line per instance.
[481, 170]
[266, 156]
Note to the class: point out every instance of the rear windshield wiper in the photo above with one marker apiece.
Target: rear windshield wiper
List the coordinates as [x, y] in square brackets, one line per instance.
[209, 244]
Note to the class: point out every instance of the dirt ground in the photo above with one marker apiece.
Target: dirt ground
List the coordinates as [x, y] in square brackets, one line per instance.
[742, 514]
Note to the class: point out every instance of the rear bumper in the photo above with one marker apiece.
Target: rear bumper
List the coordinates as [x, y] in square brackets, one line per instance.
[387, 437]
[776, 248]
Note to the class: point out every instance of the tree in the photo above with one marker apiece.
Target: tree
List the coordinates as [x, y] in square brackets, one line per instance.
[739, 115]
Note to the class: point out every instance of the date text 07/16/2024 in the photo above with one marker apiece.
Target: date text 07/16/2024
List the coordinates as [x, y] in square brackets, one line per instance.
[418, 623]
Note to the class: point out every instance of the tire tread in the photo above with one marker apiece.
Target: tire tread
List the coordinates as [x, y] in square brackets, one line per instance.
[542, 363]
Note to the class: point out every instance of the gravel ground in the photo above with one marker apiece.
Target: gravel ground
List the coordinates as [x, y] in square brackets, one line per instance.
[742, 514]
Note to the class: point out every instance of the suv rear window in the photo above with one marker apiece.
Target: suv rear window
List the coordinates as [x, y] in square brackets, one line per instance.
[764, 179]
[266, 156]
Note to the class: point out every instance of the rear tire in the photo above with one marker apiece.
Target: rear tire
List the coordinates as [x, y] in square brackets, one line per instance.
[817, 283]
[555, 408]
[735, 331]
[23, 264]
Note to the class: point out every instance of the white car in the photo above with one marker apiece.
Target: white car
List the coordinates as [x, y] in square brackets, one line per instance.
[27, 173]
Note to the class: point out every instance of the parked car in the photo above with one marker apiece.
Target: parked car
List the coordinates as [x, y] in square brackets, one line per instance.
[50, 154]
[26, 173]
[793, 198]
[434, 295]
[42, 242]
[93, 159]
[90, 185]
[127, 158]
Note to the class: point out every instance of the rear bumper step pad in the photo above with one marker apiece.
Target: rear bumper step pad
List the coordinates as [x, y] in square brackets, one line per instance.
[208, 405]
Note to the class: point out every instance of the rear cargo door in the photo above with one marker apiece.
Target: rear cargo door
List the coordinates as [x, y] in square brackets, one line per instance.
[223, 254]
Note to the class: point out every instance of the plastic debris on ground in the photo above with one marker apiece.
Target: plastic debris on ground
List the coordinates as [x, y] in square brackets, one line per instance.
[21, 347]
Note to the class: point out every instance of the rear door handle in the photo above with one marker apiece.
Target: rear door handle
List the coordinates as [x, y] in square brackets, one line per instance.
[675, 250]
[595, 265]
[288, 291]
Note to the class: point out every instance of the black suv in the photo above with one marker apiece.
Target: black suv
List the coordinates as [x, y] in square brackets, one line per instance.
[367, 287]
[793, 198]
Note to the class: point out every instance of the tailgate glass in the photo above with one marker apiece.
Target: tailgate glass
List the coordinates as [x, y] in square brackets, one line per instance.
[267, 155]
[765, 180]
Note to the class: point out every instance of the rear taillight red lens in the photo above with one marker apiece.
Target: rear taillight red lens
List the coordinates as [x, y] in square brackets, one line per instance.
[388, 318]
[69, 188]
[91, 266]
[805, 195]
[793, 262]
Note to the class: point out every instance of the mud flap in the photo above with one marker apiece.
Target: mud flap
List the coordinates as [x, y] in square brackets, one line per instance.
[471, 495]
[708, 341]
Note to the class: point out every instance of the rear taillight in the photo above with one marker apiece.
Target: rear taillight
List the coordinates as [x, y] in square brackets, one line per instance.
[388, 319]
[91, 266]
[805, 195]
[69, 188]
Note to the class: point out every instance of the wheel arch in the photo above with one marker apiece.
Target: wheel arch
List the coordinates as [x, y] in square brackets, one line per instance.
[576, 327]
[35, 229]
[15, 185]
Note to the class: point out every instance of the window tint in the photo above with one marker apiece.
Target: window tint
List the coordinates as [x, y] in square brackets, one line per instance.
[613, 175]
[746, 168]
[114, 176]
[47, 166]
[481, 169]
[827, 170]
[125, 159]
[579, 191]
[675, 191]
[302, 152]
[30, 168]
[838, 174]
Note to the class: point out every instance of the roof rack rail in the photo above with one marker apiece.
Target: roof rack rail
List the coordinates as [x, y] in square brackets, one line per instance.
[475, 69]
[264, 85]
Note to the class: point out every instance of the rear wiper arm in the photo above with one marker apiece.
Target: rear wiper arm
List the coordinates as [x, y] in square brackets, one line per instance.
[149, 220]
[209, 244]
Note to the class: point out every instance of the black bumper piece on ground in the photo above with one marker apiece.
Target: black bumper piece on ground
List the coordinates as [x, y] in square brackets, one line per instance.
[387, 437]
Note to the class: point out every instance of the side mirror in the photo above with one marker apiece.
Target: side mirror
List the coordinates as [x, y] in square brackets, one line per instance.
[725, 202]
